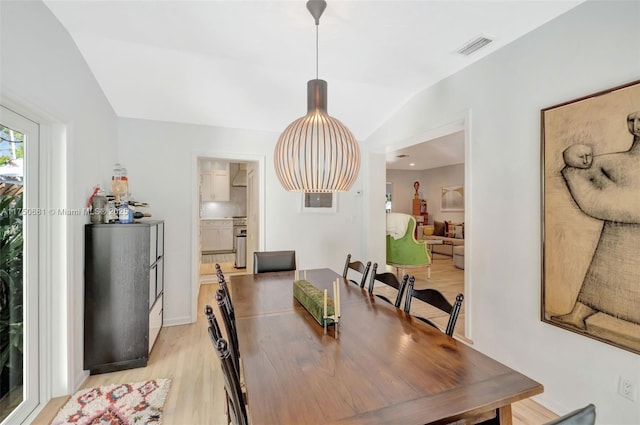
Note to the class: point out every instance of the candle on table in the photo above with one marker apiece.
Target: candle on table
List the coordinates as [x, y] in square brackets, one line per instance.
[335, 300]
[338, 296]
[325, 304]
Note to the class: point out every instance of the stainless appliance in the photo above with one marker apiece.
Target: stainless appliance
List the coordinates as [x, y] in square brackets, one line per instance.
[240, 241]
[241, 251]
[239, 228]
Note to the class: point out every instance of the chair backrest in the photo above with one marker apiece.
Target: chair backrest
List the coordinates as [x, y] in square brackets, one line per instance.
[388, 279]
[237, 410]
[214, 328]
[584, 416]
[231, 329]
[358, 266]
[227, 298]
[435, 298]
[219, 273]
[274, 261]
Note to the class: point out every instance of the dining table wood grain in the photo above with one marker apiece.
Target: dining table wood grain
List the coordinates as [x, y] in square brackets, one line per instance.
[386, 367]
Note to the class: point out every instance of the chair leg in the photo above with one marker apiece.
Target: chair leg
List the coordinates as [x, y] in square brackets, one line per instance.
[396, 270]
[428, 271]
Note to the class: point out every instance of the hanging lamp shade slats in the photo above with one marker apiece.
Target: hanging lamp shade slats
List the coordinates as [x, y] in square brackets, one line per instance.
[317, 153]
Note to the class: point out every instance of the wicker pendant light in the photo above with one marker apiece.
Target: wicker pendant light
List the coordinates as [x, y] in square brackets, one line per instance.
[317, 153]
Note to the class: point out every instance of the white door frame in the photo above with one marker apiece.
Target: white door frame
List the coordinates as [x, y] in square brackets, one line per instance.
[195, 211]
[55, 325]
[459, 122]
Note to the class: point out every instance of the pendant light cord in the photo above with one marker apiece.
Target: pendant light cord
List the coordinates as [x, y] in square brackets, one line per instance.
[316, 7]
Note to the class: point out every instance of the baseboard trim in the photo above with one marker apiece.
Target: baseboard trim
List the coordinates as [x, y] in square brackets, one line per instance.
[185, 320]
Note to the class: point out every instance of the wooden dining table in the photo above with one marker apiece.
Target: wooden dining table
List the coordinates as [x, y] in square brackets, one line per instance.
[386, 367]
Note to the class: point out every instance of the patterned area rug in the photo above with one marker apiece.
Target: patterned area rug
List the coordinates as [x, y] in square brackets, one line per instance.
[136, 403]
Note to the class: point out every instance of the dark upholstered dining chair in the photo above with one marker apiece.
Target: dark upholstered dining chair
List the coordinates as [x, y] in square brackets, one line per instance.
[583, 416]
[274, 261]
[358, 266]
[388, 279]
[435, 298]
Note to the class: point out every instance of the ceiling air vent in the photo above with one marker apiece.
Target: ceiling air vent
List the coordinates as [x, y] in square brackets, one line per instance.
[473, 45]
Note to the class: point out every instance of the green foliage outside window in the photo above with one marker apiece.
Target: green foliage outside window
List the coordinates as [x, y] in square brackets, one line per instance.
[11, 293]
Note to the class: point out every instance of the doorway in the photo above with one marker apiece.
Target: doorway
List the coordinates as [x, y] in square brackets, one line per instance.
[256, 165]
[424, 174]
[223, 205]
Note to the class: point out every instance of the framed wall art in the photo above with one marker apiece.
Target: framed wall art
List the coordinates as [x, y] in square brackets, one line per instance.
[452, 198]
[590, 154]
[319, 203]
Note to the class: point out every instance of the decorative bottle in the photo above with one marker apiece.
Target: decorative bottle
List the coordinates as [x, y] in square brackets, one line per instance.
[119, 182]
[123, 213]
[98, 207]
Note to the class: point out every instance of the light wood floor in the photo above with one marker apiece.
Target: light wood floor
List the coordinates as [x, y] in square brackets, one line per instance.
[446, 279]
[185, 355]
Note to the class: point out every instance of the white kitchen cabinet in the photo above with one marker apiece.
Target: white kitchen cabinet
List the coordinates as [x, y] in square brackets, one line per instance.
[216, 235]
[215, 184]
[225, 238]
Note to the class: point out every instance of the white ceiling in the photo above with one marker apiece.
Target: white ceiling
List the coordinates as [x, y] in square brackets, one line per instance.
[440, 152]
[245, 64]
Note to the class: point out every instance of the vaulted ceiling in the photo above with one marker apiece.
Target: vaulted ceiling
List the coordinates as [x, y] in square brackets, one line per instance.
[245, 64]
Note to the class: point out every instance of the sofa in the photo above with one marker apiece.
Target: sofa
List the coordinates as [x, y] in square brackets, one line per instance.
[458, 256]
[451, 234]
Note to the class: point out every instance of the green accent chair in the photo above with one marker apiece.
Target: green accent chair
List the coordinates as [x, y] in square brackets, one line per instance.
[407, 252]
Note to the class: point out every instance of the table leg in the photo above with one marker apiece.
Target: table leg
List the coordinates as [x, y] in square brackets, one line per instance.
[500, 416]
[504, 415]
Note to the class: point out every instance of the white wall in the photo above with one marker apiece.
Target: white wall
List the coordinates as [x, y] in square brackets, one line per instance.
[159, 157]
[403, 191]
[435, 179]
[586, 50]
[45, 77]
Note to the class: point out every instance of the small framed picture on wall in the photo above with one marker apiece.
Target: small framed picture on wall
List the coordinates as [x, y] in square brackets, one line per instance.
[452, 198]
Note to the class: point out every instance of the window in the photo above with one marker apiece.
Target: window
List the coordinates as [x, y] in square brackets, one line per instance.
[319, 202]
[19, 216]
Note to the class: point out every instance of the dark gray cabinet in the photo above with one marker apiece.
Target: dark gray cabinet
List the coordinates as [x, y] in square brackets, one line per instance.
[123, 296]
